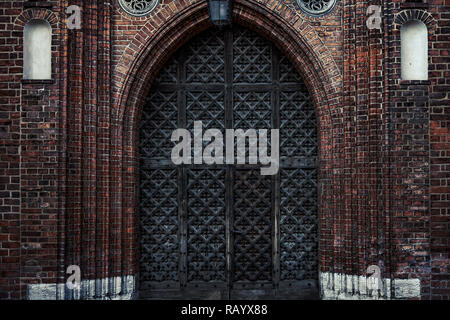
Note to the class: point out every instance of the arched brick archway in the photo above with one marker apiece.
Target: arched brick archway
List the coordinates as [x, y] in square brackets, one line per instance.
[149, 51]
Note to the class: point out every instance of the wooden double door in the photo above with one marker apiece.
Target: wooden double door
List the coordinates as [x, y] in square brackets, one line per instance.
[226, 231]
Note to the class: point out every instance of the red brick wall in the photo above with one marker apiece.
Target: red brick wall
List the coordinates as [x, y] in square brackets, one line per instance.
[68, 147]
[29, 157]
[439, 109]
[9, 155]
[409, 164]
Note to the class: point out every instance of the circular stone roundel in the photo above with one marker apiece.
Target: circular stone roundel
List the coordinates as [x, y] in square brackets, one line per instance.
[316, 7]
[138, 8]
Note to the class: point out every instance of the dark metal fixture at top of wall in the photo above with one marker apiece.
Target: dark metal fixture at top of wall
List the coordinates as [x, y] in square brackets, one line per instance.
[220, 12]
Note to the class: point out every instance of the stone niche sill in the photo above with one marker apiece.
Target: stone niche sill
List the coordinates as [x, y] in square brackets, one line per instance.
[38, 82]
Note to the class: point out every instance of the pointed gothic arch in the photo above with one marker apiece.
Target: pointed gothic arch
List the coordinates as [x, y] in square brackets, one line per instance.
[149, 51]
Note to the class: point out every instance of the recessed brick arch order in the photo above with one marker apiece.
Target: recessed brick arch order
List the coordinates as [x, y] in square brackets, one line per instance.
[37, 13]
[151, 48]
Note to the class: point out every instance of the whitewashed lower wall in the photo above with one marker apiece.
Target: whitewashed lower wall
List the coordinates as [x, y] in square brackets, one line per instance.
[333, 286]
[336, 286]
[117, 288]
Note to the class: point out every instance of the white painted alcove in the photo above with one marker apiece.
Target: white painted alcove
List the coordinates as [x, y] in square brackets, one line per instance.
[414, 50]
[37, 50]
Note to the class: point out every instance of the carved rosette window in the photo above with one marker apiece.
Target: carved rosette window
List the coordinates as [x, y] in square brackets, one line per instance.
[316, 7]
[138, 8]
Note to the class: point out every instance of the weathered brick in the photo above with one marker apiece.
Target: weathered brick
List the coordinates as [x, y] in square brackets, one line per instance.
[68, 164]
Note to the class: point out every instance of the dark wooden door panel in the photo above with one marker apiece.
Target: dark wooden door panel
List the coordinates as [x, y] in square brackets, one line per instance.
[206, 221]
[226, 231]
[252, 228]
